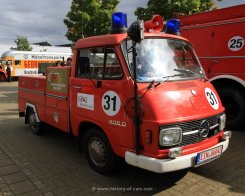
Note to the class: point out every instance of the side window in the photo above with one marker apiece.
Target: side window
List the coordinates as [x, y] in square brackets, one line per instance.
[90, 63]
[9, 62]
[83, 64]
[113, 68]
[98, 63]
[17, 62]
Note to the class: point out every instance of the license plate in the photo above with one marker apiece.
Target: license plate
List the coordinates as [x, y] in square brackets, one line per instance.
[208, 155]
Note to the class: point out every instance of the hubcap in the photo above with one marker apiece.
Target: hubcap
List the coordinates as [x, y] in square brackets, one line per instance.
[97, 151]
[33, 122]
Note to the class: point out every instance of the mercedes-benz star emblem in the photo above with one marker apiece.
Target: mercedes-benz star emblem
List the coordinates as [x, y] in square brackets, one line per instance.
[204, 129]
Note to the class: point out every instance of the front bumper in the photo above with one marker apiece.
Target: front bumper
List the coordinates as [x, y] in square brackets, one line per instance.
[168, 165]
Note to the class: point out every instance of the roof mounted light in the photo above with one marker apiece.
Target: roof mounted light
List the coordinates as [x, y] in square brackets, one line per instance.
[156, 24]
[173, 26]
[118, 22]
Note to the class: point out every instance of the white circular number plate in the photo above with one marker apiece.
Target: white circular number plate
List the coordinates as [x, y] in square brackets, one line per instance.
[111, 103]
[212, 99]
[236, 43]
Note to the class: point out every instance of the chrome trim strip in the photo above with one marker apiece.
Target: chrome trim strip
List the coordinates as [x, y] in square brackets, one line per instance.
[57, 96]
[220, 73]
[190, 132]
[196, 131]
[42, 93]
[31, 91]
[203, 25]
[214, 126]
[220, 57]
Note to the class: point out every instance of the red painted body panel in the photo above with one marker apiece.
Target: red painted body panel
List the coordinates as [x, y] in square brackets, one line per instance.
[32, 90]
[210, 33]
[214, 16]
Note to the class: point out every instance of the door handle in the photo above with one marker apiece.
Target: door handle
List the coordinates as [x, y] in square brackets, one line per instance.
[77, 87]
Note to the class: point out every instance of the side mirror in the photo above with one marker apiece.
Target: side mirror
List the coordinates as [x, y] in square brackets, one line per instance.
[136, 31]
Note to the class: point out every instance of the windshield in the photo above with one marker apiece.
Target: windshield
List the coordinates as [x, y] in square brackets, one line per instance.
[163, 59]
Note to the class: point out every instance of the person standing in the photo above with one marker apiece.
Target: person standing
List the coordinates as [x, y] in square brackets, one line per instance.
[68, 61]
[8, 70]
[58, 64]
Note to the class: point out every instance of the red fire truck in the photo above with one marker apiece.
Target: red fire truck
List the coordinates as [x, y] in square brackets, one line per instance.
[141, 96]
[218, 37]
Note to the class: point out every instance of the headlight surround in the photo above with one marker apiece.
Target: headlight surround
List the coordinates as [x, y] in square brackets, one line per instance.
[170, 136]
[222, 122]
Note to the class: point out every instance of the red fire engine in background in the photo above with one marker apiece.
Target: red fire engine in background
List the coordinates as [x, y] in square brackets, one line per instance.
[218, 38]
[141, 96]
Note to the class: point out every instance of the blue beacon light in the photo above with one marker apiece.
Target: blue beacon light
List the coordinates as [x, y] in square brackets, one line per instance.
[173, 26]
[118, 22]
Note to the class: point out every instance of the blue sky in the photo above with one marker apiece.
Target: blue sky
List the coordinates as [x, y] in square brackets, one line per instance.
[43, 20]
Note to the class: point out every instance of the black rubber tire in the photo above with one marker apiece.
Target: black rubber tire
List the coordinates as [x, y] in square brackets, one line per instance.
[35, 126]
[98, 152]
[234, 102]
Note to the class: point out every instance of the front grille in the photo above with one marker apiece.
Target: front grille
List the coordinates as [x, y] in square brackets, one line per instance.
[190, 133]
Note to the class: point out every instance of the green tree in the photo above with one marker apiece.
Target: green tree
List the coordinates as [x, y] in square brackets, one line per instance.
[89, 17]
[167, 8]
[22, 44]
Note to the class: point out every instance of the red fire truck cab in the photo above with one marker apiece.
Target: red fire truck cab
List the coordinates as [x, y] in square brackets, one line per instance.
[142, 96]
[218, 37]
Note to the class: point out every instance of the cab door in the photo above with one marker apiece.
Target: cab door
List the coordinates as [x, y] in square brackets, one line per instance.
[98, 93]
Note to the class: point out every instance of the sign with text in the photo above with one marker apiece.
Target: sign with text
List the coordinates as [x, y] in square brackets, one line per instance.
[57, 79]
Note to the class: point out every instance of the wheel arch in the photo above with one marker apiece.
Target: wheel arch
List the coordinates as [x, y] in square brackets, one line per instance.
[229, 81]
[84, 128]
[232, 92]
[30, 106]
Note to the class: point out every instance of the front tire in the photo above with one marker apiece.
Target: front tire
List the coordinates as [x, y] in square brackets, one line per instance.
[234, 103]
[98, 152]
[33, 123]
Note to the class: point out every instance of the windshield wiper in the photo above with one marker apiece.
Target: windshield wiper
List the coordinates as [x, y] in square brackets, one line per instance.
[153, 85]
[187, 71]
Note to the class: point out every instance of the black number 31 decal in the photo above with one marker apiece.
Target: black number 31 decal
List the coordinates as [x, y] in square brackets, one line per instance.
[110, 102]
[211, 97]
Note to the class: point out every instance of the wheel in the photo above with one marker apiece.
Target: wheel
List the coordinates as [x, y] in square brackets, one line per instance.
[234, 103]
[34, 125]
[98, 152]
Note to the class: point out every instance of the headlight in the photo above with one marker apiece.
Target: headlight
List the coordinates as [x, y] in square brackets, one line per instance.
[222, 121]
[170, 136]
